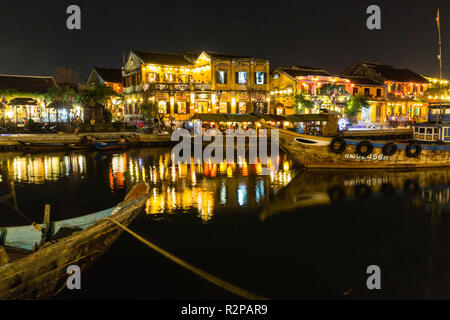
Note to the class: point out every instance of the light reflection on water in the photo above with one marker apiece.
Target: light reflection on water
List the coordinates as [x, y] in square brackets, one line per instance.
[173, 187]
[340, 219]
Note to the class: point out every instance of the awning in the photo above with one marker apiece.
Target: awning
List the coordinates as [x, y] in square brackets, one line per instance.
[210, 117]
[23, 102]
[306, 117]
[226, 117]
[272, 117]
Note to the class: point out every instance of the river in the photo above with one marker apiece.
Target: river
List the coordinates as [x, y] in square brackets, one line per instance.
[293, 234]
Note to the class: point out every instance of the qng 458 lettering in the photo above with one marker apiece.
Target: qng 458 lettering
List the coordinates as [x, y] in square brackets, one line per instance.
[354, 156]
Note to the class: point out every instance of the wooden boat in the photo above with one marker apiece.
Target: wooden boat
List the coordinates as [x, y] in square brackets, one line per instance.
[40, 273]
[326, 152]
[107, 146]
[430, 147]
[43, 146]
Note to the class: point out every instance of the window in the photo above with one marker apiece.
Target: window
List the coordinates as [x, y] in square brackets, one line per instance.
[181, 107]
[221, 77]
[242, 107]
[367, 91]
[260, 78]
[223, 107]
[241, 77]
[168, 77]
[378, 92]
[162, 107]
[151, 77]
[355, 90]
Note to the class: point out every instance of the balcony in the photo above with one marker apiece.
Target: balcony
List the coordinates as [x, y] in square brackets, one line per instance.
[132, 89]
[202, 86]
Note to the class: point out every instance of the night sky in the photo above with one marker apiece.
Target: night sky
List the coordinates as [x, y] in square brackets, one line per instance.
[327, 34]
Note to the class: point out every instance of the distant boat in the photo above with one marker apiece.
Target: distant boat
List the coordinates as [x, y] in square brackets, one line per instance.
[36, 271]
[43, 146]
[106, 146]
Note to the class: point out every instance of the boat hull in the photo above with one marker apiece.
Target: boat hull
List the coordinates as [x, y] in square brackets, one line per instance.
[317, 154]
[42, 274]
[110, 146]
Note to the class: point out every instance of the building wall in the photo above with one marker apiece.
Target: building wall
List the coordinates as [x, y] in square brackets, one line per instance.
[181, 91]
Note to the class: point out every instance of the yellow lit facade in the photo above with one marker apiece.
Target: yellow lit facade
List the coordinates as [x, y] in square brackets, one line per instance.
[286, 83]
[189, 83]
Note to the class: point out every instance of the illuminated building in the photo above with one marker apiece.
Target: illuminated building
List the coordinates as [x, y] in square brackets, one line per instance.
[23, 98]
[400, 89]
[287, 82]
[188, 83]
[111, 78]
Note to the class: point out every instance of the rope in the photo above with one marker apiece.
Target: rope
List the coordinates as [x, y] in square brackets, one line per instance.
[5, 197]
[203, 274]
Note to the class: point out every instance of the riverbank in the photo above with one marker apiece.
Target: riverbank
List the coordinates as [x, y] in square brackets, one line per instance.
[10, 142]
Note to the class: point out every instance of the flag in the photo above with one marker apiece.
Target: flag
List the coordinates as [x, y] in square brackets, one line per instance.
[437, 19]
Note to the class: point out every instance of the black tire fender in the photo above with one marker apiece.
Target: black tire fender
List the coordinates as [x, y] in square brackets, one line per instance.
[389, 149]
[341, 145]
[369, 148]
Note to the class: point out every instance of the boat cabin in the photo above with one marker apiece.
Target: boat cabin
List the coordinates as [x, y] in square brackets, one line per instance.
[438, 126]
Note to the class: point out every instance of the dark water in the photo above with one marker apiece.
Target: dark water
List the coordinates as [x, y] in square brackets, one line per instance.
[291, 235]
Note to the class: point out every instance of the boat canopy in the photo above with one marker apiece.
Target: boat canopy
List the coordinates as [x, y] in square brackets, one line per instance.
[226, 117]
[252, 117]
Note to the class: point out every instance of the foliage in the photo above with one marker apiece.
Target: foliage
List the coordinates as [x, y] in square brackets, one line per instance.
[66, 76]
[149, 109]
[302, 103]
[354, 105]
[435, 90]
[330, 89]
[63, 96]
[98, 94]
[13, 93]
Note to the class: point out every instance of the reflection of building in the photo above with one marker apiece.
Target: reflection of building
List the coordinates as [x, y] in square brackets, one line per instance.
[201, 187]
[39, 169]
[206, 82]
[286, 82]
[392, 91]
[22, 97]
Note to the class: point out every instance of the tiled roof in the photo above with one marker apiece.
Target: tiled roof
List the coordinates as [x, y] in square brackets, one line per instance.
[31, 84]
[109, 74]
[363, 81]
[297, 71]
[385, 72]
[162, 58]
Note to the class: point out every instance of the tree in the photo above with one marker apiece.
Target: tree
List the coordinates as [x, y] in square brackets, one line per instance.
[435, 90]
[66, 76]
[302, 103]
[354, 105]
[149, 109]
[63, 98]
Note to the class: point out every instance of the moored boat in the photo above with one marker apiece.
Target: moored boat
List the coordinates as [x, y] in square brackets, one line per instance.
[37, 269]
[107, 146]
[44, 146]
[429, 148]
